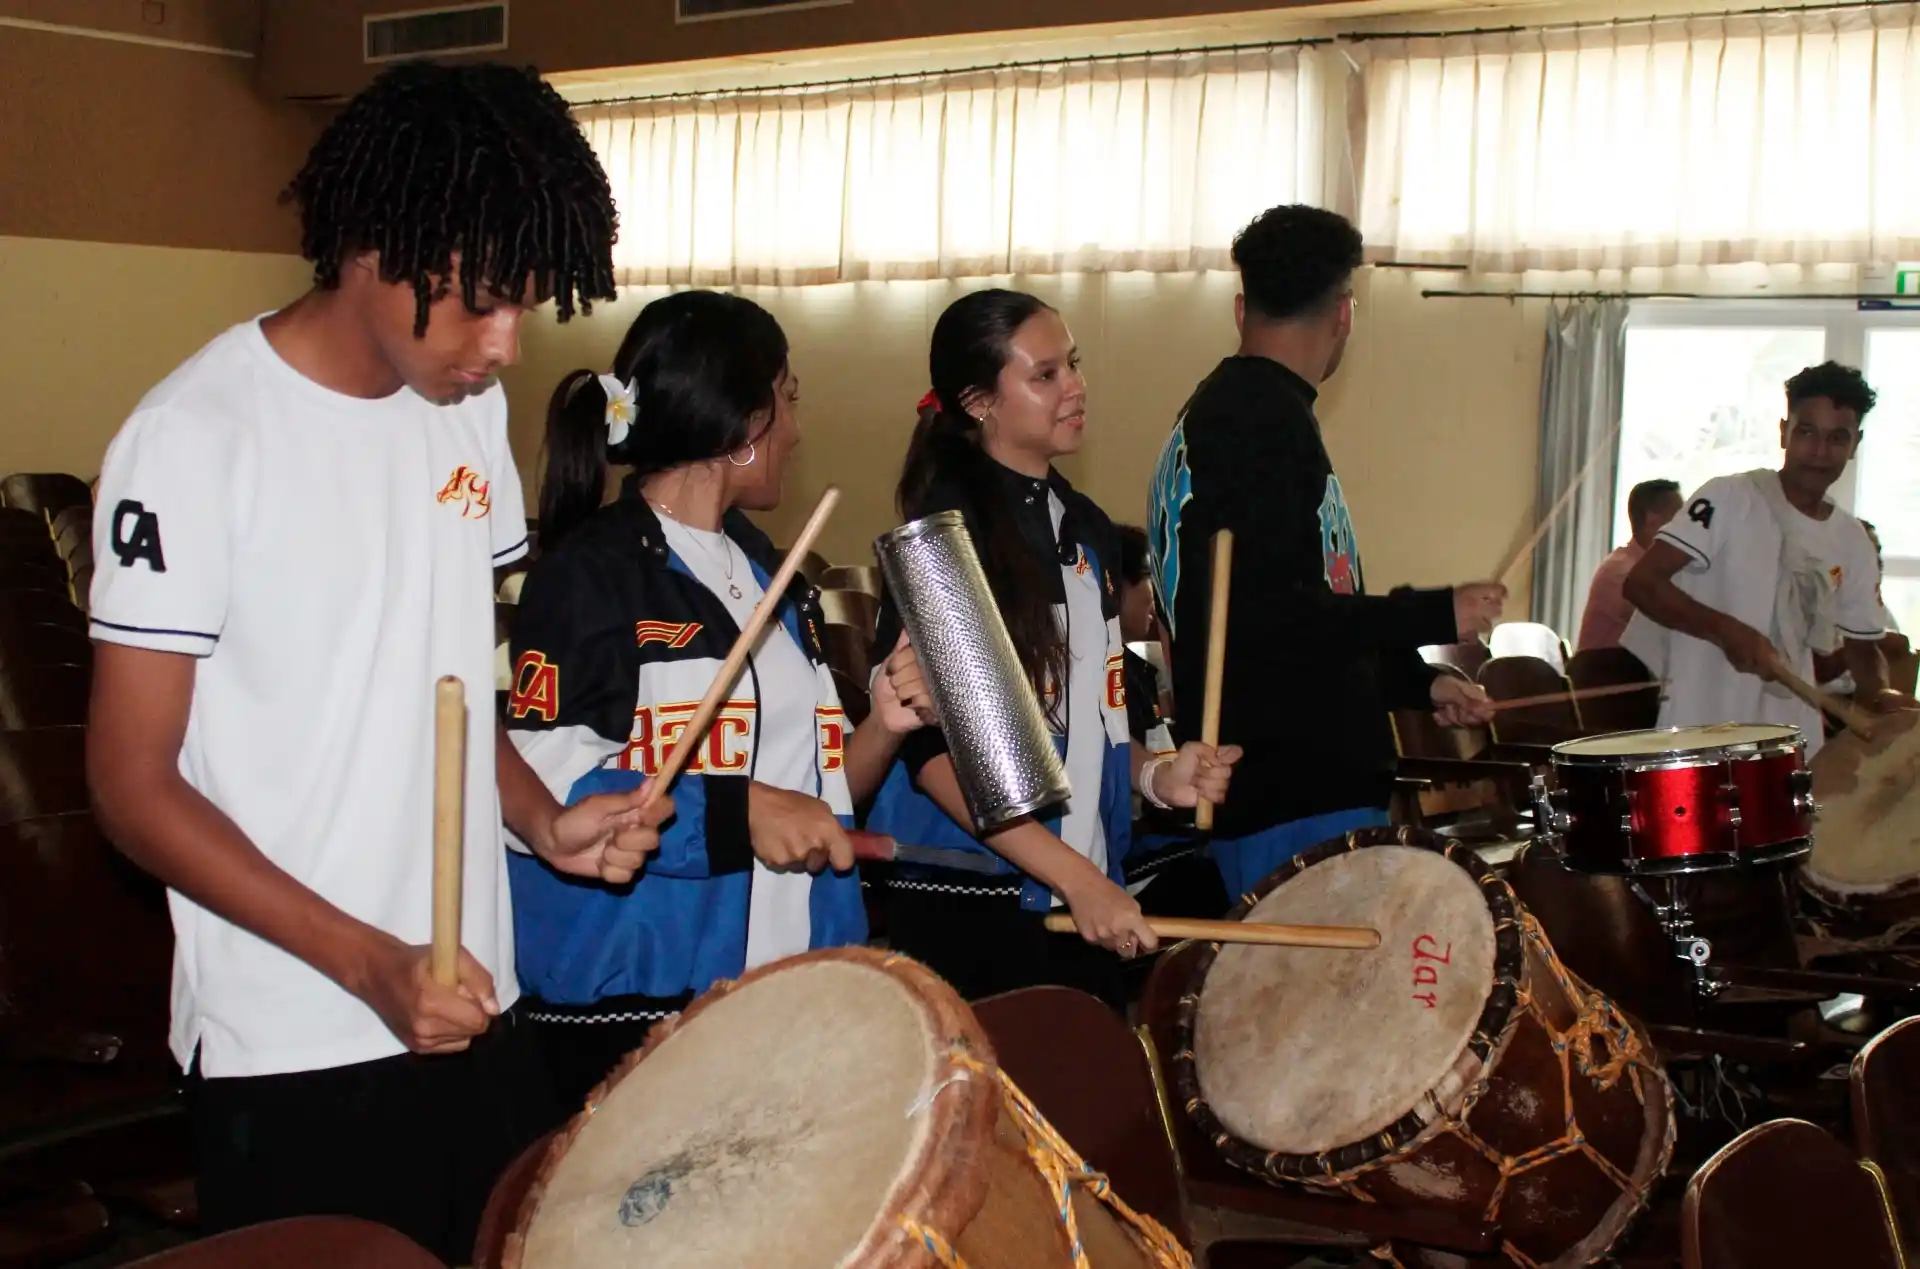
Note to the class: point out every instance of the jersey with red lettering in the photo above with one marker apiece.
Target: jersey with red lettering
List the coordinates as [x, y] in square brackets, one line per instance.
[620, 631]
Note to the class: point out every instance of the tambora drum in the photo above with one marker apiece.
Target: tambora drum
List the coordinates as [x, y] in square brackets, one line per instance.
[1458, 1066]
[840, 1108]
[1681, 799]
[1864, 872]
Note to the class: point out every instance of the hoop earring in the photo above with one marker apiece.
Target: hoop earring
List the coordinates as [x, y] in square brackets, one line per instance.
[752, 453]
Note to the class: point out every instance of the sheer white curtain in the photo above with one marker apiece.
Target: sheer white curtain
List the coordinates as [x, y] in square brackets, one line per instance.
[1135, 163]
[1778, 138]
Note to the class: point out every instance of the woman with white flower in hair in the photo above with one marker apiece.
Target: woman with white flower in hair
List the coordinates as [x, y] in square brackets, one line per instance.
[622, 625]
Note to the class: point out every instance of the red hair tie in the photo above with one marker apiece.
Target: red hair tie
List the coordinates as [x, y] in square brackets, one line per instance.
[929, 402]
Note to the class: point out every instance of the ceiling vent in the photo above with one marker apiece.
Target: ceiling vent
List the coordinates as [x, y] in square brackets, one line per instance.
[468, 28]
[709, 10]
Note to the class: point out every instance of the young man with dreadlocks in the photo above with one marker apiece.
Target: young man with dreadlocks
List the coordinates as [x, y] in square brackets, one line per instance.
[298, 537]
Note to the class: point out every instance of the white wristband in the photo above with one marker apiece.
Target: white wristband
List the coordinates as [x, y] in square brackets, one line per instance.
[1147, 772]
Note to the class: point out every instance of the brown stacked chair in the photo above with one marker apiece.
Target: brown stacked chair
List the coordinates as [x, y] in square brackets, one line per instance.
[812, 565]
[45, 696]
[1886, 1118]
[25, 646]
[45, 494]
[848, 650]
[43, 772]
[39, 608]
[1468, 656]
[1612, 667]
[1511, 678]
[864, 578]
[73, 537]
[303, 1242]
[851, 608]
[25, 535]
[1785, 1195]
[48, 574]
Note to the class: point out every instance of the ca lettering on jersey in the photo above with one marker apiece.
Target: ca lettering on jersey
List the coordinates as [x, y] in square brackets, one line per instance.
[536, 687]
[1700, 511]
[135, 536]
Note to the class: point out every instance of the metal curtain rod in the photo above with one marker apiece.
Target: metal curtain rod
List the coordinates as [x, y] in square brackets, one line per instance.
[898, 77]
[1310, 41]
[1601, 24]
[1850, 297]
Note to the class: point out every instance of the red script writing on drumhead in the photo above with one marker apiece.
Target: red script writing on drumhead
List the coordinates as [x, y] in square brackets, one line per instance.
[1427, 974]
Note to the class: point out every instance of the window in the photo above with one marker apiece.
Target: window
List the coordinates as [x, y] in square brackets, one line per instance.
[1704, 394]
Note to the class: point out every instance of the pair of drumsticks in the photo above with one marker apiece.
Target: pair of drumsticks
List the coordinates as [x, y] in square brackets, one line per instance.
[450, 747]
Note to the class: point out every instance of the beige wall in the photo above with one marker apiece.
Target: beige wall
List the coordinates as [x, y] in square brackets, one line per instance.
[1430, 423]
[88, 327]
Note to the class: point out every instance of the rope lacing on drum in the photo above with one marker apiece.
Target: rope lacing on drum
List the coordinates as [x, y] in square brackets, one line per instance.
[1062, 1169]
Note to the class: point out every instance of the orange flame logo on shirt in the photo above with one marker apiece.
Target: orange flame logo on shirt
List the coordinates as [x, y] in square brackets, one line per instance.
[466, 488]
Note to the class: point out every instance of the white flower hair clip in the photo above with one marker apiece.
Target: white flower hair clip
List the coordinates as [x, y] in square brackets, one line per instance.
[619, 407]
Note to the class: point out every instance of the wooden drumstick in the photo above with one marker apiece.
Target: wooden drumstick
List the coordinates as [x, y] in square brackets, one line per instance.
[1356, 938]
[1855, 719]
[1580, 694]
[449, 825]
[695, 732]
[1216, 658]
[1525, 553]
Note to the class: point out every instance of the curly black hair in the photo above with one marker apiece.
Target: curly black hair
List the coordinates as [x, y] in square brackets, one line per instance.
[480, 160]
[1293, 259]
[1845, 386]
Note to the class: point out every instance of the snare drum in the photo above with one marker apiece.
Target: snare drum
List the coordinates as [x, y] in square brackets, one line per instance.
[840, 1108]
[1681, 799]
[1457, 1066]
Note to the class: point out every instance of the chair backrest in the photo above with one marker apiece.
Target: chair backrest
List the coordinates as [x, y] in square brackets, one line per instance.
[853, 695]
[851, 608]
[43, 771]
[48, 696]
[39, 608]
[1784, 1195]
[303, 1242]
[1088, 1074]
[848, 650]
[812, 565]
[1417, 735]
[26, 646]
[1511, 678]
[46, 494]
[1886, 1117]
[1528, 639]
[1468, 656]
[864, 578]
[1610, 667]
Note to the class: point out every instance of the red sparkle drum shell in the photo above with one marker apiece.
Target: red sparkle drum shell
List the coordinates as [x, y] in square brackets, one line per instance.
[1682, 799]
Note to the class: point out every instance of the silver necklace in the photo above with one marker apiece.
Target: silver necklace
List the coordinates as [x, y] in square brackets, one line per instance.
[727, 563]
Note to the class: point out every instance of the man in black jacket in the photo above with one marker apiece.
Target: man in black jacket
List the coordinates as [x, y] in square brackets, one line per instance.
[1314, 664]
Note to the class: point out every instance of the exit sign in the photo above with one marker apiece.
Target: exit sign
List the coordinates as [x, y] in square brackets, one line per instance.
[1906, 279]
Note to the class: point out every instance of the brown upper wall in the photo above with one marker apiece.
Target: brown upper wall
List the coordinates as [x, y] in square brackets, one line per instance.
[110, 141]
[312, 48]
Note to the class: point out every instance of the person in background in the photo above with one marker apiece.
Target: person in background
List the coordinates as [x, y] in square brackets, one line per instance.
[1760, 571]
[1650, 505]
[1008, 398]
[1169, 871]
[624, 620]
[1314, 664]
[306, 517]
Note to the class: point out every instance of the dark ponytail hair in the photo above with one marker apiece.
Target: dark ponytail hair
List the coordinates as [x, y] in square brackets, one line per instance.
[703, 367]
[970, 343]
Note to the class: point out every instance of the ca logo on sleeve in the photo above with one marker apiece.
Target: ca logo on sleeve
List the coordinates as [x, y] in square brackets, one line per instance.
[1700, 511]
[136, 536]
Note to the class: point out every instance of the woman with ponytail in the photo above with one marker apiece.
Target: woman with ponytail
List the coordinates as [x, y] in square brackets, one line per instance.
[1008, 398]
[623, 623]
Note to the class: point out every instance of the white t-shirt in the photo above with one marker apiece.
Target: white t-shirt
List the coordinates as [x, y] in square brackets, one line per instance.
[326, 558]
[1732, 543]
[779, 923]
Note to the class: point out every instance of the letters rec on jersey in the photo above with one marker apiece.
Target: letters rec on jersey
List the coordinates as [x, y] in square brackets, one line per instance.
[136, 536]
[1117, 682]
[729, 744]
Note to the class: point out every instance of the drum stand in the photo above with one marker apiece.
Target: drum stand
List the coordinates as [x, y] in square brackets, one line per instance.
[1675, 916]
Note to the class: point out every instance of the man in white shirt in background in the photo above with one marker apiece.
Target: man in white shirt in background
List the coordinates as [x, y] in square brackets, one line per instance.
[297, 537]
[1759, 572]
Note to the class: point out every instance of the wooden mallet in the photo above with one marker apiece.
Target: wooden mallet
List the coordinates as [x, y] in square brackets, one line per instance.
[1216, 658]
[449, 825]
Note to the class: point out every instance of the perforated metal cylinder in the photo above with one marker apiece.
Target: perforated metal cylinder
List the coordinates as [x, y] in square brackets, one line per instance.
[1003, 752]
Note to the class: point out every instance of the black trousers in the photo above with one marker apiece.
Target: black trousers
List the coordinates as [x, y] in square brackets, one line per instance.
[986, 944]
[412, 1142]
[581, 1044]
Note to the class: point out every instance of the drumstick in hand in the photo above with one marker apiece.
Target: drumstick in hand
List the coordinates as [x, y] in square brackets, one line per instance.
[449, 825]
[1216, 658]
[1357, 938]
[1856, 719]
[695, 732]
